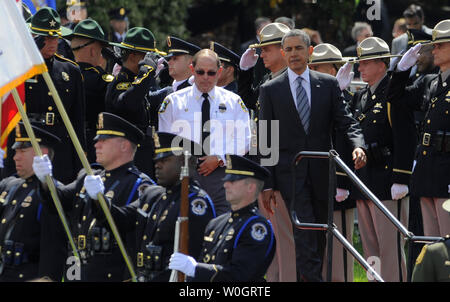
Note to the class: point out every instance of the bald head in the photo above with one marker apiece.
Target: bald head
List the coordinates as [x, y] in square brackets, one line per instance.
[206, 70]
[206, 53]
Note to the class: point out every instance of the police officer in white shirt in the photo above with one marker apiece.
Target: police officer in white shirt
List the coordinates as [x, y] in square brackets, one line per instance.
[214, 117]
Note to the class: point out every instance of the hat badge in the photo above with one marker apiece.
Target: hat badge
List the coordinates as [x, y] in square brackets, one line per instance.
[100, 121]
[156, 138]
[359, 51]
[52, 23]
[229, 165]
[122, 11]
[18, 134]
[169, 43]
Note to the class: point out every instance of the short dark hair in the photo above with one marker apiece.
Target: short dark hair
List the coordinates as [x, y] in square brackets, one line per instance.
[297, 33]
[412, 11]
[207, 52]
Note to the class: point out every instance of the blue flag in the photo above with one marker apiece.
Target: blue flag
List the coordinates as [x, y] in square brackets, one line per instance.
[35, 5]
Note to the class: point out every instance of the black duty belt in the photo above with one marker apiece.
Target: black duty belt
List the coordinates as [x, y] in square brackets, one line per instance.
[440, 140]
[47, 118]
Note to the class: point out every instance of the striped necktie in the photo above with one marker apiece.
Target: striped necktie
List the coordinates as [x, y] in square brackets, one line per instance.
[303, 105]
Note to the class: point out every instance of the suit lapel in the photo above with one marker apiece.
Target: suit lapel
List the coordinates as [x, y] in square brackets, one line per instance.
[289, 101]
[315, 84]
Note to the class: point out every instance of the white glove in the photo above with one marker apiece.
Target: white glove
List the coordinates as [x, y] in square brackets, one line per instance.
[409, 59]
[42, 167]
[399, 191]
[160, 66]
[248, 59]
[183, 263]
[94, 185]
[2, 154]
[341, 194]
[345, 75]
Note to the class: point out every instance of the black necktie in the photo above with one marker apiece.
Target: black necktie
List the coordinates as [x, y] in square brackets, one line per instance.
[205, 118]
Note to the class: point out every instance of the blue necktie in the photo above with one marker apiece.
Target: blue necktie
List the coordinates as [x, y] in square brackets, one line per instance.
[303, 105]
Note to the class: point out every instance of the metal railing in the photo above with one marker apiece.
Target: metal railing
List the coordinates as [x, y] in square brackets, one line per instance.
[331, 228]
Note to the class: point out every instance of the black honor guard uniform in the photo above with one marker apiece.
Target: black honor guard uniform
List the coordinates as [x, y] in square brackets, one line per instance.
[101, 258]
[238, 245]
[96, 79]
[126, 94]
[41, 107]
[154, 216]
[28, 234]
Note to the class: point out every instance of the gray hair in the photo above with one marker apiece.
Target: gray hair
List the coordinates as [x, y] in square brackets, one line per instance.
[286, 21]
[358, 28]
[297, 33]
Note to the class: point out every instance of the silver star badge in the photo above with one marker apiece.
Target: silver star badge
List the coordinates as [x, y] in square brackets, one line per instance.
[52, 23]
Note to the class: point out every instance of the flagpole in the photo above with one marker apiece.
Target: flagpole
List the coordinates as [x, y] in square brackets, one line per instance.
[88, 169]
[48, 179]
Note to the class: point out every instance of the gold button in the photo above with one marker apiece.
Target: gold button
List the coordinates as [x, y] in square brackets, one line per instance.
[49, 93]
[137, 222]
[164, 197]
[103, 179]
[444, 84]
[386, 167]
[374, 97]
[67, 90]
[21, 215]
[109, 275]
[213, 257]
[17, 254]
[374, 121]
[220, 237]
[428, 121]
[434, 105]
[84, 218]
[50, 108]
[145, 237]
[24, 185]
[30, 87]
[14, 202]
[4, 220]
[424, 153]
[230, 220]
[108, 174]
[154, 217]
[20, 275]
[157, 229]
[446, 112]
[225, 251]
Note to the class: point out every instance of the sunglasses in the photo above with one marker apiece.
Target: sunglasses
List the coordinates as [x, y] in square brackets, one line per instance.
[209, 73]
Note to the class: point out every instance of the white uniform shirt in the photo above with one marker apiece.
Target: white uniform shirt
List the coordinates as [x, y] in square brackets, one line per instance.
[181, 114]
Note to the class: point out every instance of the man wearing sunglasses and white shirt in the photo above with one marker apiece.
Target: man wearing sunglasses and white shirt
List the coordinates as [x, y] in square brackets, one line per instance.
[187, 112]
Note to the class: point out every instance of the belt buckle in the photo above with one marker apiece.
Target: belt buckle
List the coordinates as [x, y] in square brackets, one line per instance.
[140, 259]
[426, 139]
[49, 118]
[361, 117]
[81, 242]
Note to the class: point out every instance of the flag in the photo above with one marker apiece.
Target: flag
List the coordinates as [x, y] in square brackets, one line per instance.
[20, 60]
[35, 5]
[10, 115]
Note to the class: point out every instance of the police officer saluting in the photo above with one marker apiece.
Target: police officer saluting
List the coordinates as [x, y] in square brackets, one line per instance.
[238, 245]
[27, 233]
[41, 109]
[88, 40]
[126, 95]
[153, 216]
[116, 144]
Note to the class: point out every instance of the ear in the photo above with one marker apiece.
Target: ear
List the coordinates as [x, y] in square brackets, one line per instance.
[282, 52]
[191, 67]
[219, 72]
[311, 49]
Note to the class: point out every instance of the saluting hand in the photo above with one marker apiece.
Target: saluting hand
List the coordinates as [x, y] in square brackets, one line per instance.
[359, 158]
[345, 76]
[248, 59]
[409, 59]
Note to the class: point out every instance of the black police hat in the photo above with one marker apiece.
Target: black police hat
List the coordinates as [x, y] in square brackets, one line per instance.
[110, 125]
[178, 46]
[168, 144]
[42, 137]
[239, 167]
[225, 55]
[119, 13]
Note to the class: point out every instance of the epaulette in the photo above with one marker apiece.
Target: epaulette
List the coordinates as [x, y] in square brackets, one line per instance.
[65, 59]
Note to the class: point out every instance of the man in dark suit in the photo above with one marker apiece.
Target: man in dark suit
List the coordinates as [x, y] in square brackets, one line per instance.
[308, 106]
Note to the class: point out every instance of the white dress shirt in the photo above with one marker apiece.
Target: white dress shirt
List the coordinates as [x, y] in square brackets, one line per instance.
[181, 114]
[294, 84]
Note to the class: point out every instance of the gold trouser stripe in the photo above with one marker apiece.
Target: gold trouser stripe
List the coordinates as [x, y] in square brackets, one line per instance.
[110, 132]
[239, 172]
[401, 171]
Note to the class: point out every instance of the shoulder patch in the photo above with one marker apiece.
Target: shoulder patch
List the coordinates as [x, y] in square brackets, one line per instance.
[164, 105]
[199, 206]
[244, 108]
[107, 77]
[61, 58]
[421, 255]
[123, 86]
[258, 231]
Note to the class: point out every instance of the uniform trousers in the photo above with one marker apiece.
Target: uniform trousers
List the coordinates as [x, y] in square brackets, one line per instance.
[436, 221]
[282, 268]
[213, 185]
[379, 238]
[338, 272]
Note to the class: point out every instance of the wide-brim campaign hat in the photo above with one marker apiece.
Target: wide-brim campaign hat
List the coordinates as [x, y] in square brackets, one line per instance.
[272, 33]
[138, 39]
[441, 32]
[239, 167]
[110, 125]
[90, 29]
[169, 144]
[326, 53]
[46, 22]
[373, 48]
[43, 137]
[178, 47]
[225, 54]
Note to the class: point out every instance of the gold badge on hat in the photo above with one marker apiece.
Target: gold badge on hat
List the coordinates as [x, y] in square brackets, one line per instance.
[229, 166]
[156, 138]
[211, 45]
[65, 76]
[359, 51]
[52, 23]
[122, 11]
[169, 43]
[18, 134]
[100, 121]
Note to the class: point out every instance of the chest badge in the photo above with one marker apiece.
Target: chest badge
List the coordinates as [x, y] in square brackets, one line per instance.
[27, 202]
[222, 107]
[65, 76]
